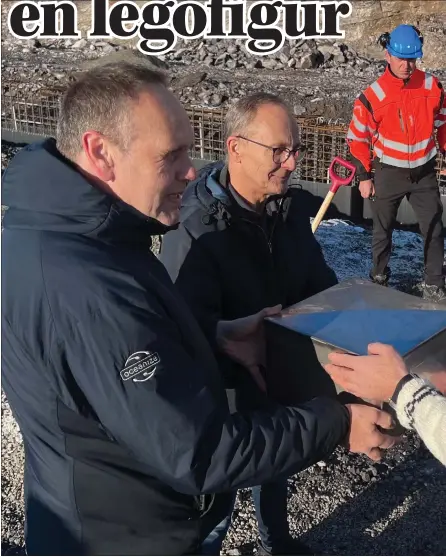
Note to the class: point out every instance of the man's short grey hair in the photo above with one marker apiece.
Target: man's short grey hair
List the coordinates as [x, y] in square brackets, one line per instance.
[241, 113]
[100, 100]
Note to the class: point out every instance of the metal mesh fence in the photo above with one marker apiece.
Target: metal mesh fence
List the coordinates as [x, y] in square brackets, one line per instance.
[37, 113]
[30, 112]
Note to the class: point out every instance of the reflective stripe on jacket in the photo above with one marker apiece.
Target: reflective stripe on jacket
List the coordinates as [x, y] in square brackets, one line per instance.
[395, 120]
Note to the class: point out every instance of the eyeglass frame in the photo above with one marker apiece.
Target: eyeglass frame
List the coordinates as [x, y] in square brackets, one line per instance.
[300, 148]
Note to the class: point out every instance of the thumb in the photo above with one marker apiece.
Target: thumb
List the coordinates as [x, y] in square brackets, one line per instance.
[374, 454]
[258, 377]
[384, 420]
[376, 348]
[268, 312]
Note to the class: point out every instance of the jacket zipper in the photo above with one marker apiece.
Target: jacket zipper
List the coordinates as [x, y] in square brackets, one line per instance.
[275, 221]
[270, 239]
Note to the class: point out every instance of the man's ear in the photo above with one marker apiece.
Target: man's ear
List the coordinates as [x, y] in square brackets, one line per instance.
[98, 153]
[233, 147]
[388, 57]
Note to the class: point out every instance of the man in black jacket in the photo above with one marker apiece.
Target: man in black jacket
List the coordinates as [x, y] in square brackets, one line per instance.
[243, 243]
[130, 447]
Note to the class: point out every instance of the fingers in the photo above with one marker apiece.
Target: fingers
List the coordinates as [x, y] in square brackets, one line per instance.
[380, 349]
[340, 375]
[384, 420]
[374, 454]
[258, 377]
[388, 442]
[341, 359]
[377, 348]
[268, 312]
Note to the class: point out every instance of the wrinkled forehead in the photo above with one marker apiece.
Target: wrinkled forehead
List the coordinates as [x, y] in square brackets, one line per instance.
[274, 125]
[159, 119]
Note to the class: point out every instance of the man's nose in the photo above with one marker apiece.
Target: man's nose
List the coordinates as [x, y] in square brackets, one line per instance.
[191, 173]
[290, 163]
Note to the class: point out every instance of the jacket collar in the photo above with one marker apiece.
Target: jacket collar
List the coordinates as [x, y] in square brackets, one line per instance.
[394, 81]
[215, 196]
[46, 192]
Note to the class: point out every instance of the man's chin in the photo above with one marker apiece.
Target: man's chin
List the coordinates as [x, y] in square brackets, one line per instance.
[281, 186]
[171, 218]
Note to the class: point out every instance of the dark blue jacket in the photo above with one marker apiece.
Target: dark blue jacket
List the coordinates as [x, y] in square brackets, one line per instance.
[127, 431]
[230, 262]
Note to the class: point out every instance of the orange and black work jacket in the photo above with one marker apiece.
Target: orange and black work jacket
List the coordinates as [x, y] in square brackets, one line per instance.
[395, 120]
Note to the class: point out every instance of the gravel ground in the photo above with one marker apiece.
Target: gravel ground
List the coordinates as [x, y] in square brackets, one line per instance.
[344, 506]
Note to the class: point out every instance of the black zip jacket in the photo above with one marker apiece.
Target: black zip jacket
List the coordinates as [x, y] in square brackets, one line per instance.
[130, 447]
[230, 262]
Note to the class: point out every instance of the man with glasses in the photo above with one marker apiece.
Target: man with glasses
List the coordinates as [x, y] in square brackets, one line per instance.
[245, 243]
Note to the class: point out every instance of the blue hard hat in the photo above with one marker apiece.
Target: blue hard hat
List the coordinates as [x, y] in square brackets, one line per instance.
[405, 42]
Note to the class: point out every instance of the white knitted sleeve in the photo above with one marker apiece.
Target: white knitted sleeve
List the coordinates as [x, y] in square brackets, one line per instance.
[421, 407]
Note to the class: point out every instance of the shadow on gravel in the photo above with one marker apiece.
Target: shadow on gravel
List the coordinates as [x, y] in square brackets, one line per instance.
[390, 517]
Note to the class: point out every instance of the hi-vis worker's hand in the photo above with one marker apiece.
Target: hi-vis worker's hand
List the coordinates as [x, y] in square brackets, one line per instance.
[366, 188]
[364, 435]
[243, 340]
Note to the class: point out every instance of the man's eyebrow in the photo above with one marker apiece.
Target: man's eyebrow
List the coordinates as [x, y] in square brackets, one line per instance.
[296, 144]
[177, 149]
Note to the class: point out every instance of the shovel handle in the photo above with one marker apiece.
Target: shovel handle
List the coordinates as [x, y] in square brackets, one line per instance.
[323, 209]
[336, 180]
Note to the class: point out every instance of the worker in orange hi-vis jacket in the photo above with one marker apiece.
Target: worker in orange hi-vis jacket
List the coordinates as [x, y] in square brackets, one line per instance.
[393, 131]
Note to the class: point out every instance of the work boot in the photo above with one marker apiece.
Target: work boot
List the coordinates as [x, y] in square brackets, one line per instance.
[436, 294]
[383, 279]
[289, 547]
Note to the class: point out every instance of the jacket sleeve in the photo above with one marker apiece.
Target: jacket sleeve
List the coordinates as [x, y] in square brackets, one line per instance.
[155, 397]
[191, 267]
[194, 274]
[321, 274]
[440, 121]
[359, 137]
[421, 407]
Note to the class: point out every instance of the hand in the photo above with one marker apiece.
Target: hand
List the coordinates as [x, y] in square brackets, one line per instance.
[243, 340]
[364, 436]
[436, 377]
[366, 188]
[443, 172]
[372, 377]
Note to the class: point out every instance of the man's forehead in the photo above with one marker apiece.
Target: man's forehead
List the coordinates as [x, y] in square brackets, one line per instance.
[165, 118]
[276, 122]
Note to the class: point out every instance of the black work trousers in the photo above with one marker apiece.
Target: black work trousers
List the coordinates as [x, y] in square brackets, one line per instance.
[420, 187]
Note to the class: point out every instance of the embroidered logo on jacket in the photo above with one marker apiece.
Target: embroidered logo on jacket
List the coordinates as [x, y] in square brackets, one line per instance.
[140, 366]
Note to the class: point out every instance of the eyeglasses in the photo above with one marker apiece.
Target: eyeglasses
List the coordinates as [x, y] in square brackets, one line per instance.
[281, 154]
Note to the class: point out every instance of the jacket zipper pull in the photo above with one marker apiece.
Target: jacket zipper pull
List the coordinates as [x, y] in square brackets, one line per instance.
[401, 120]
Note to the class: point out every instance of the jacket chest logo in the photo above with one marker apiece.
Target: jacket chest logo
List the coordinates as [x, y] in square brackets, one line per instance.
[140, 366]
